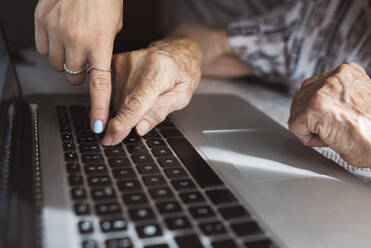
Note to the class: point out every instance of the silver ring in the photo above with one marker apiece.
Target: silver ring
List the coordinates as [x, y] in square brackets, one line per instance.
[98, 69]
[73, 72]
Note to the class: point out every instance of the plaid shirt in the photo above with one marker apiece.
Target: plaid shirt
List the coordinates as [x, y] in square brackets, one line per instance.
[303, 38]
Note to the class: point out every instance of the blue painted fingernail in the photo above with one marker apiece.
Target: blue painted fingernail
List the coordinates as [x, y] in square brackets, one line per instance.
[98, 126]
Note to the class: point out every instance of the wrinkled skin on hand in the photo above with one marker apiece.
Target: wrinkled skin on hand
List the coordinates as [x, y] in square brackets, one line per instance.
[334, 109]
[151, 83]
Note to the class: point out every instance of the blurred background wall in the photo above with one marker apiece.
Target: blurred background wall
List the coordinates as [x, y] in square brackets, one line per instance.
[144, 21]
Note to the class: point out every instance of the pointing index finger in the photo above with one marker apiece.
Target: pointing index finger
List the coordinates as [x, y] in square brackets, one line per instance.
[100, 90]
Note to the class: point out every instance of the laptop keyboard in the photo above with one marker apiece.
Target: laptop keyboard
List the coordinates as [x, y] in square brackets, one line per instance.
[153, 191]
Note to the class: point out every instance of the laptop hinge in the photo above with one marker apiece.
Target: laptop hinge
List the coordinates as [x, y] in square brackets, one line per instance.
[20, 231]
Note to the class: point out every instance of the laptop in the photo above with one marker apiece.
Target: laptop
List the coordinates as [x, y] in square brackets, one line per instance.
[218, 174]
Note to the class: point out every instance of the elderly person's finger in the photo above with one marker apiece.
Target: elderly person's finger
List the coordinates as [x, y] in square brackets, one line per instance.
[165, 104]
[135, 105]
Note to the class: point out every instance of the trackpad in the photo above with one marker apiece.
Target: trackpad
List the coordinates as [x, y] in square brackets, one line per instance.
[266, 155]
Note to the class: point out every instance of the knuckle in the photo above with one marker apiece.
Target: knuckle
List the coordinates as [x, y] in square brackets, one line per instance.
[116, 125]
[133, 103]
[39, 14]
[333, 84]
[317, 102]
[356, 66]
[52, 26]
[343, 68]
[74, 35]
[100, 83]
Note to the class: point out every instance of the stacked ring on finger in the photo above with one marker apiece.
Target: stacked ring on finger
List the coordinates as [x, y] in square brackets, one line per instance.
[98, 69]
[73, 72]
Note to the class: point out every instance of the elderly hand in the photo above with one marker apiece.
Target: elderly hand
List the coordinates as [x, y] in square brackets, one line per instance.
[334, 109]
[151, 83]
[76, 33]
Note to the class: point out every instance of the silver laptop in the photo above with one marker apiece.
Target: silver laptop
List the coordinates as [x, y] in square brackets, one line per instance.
[218, 174]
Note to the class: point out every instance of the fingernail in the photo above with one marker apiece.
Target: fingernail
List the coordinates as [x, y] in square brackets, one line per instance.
[98, 126]
[142, 127]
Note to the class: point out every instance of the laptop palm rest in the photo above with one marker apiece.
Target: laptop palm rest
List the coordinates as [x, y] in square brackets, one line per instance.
[264, 155]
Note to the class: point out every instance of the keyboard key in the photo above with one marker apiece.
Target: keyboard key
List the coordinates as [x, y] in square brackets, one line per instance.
[235, 212]
[82, 209]
[70, 156]
[108, 208]
[155, 180]
[119, 243]
[141, 214]
[78, 194]
[75, 180]
[155, 143]
[134, 199]
[162, 152]
[82, 132]
[136, 149]
[119, 162]
[142, 158]
[189, 241]
[178, 223]
[95, 169]
[89, 148]
[115, 152]
[221, 196]
[89, 244]
[146, 169]
[170, 207]
[192, 197]
[149, 231]
[132, 138]
[64, 129]
[124, 173]
[129, 185]
[266, 243]
[73, 168]
[86, 139]
[105, 193]
[151, 134]
[69, 147]
[201, 212]
[246, 228]
[86, 226]
[169, 162]
[224, 243]
[183, 184]
[157, 246]
[92, 159]
[161, 193]
[113, 225]
[95, 181]
[175, 173]
[195, 164]
[67, 137]
[212, 228]
[171, 133]
[166, 124]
